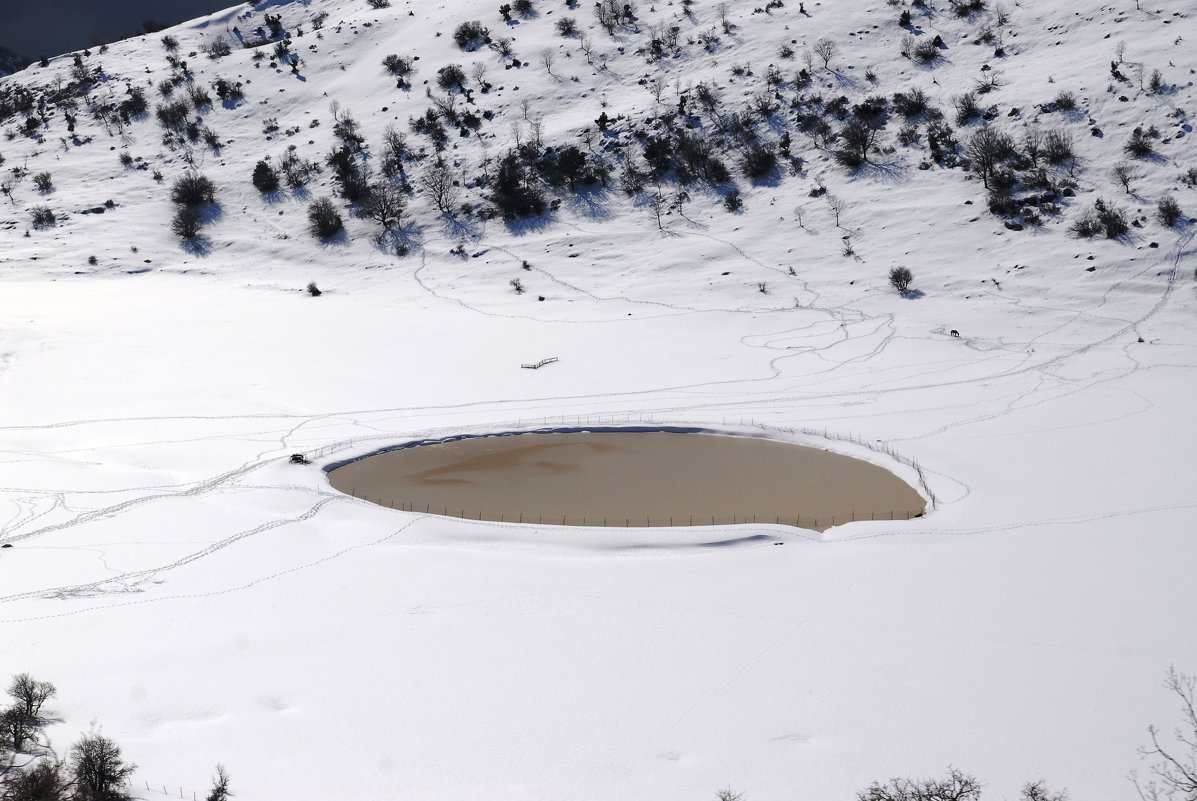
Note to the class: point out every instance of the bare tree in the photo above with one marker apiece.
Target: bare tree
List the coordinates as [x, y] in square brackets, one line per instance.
[826, 50]
[723, 20]
[656, 87]
[1123, 174]
[478, 73]
[29, 693]
[657, 204]
[837, 206]
[98, 769]
[437, 184]
[220, 785]
[987, 150]
[384, 204]
[16, 729]
[1173, 774]
[547, 59]
[45, 780]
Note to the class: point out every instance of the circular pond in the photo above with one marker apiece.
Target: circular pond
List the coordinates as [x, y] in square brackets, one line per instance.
[629, 478]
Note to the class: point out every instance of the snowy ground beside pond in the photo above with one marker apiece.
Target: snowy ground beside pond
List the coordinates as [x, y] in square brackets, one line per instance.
[201, 600]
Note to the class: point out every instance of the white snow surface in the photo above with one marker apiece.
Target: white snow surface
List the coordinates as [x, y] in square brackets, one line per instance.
[199, 599]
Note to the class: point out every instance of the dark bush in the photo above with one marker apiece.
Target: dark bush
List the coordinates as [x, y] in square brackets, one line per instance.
[231, 92]
[514, 195]
[900, 278]
[567, 26]
[323, 219]
[1065, 101]
[910, 103]
[43, 181]
[470, 35]
[926, 51]
[186, 222]
[733, 202]
[265, 177]
[758, 161]
[451, 77]
[192, 189]
[1101, 218]
[1139, 145]
[43, 216]
[1057, 146]
[173, 116]
[134, 105]
[397, 65]
[966, 107]
[1168, 211]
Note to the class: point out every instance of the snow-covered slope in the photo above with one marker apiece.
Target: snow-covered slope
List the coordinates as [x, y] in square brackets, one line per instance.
[202, 600]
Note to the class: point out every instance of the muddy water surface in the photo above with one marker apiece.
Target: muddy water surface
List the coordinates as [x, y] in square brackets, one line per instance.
[630, 479]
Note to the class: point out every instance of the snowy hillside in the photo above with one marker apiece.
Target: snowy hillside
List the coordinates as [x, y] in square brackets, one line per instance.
[698, 214]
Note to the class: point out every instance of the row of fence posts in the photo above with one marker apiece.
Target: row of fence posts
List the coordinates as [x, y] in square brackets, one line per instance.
[609, 522]
[154, 789]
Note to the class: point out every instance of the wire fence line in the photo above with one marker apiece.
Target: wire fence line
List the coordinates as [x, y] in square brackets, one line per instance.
[615, 422]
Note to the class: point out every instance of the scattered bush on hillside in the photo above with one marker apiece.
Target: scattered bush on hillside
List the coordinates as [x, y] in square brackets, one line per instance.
[265, 177]
[451, 76]
[1101, 218]
[900, 278]
[758, 161]
[42, 216]
[170, 42]
[218, 48]
[567, 26]
[1139, 145]
[200, 99]
[926, 51]
[43, 181]
[379, 4]
[397, 65]
[314, 290]
[514, 194]
[323, 219]
[613, 13]
[228, 92]
[966, 107]
[1168, 211]
[1065, 101]
[173, 116]
[910, 103]
[186, 223]
[733, 202]
[471, 35]
[192, 189]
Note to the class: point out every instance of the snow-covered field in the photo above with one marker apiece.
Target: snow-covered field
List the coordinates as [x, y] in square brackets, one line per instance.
[201, 600]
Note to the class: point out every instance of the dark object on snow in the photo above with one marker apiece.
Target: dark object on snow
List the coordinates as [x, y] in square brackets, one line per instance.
[955, 333]
[299, 458]
[6, 545]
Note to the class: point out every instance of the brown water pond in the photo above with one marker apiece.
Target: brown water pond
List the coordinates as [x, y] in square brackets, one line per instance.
[629, 478]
